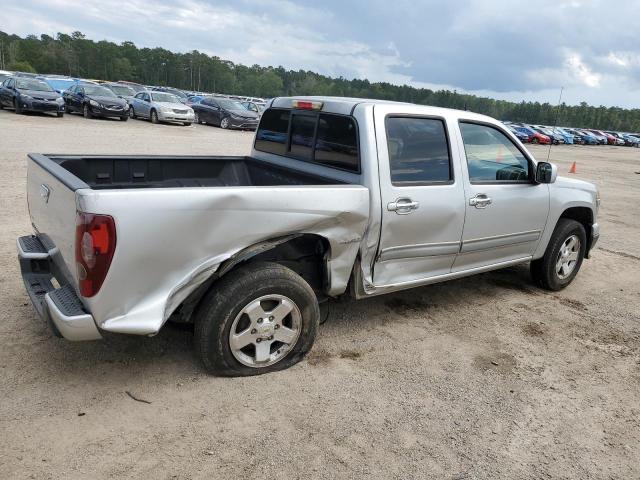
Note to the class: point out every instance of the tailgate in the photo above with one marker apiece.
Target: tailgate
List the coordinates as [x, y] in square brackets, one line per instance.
[51, 195]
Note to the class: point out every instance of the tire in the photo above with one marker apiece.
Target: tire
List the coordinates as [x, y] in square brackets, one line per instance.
[154, 117]
[257, 286]
[224, 123]
[60, 114]
[535, 141]
[196, 118]
[124, 119]
[187, 124]
[16, 107]
[547, 271]
[132, 113]
[86, 111]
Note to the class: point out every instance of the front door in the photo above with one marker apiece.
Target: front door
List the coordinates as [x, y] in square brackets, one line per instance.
[506, 211]
[422, 196]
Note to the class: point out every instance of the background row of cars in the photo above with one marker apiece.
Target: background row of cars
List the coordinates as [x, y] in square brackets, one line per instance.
[546, 135]
[94, 98]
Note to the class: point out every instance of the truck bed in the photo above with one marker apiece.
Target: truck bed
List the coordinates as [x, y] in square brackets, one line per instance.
[114, 172]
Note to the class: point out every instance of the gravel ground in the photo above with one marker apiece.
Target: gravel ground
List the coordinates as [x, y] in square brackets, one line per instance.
[485, 377]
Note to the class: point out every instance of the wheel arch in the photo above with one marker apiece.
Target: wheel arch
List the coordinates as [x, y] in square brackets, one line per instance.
[305, 253]
[585, 217]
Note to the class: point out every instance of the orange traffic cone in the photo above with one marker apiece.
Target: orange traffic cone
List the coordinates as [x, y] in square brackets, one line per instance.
[573, 168]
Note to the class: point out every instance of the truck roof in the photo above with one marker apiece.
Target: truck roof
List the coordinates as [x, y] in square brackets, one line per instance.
[346, 105]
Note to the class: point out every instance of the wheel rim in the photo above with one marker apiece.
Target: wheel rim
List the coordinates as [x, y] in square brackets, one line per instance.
[224, 123]
[265, 331]
[568, 257]
[196, 118]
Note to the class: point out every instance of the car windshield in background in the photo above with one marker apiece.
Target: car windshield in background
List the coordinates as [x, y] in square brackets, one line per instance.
[122, 90]
[61, 84]
[231, 105]
[3, 77]
[98, 91]
[35, 85]
[164, 97]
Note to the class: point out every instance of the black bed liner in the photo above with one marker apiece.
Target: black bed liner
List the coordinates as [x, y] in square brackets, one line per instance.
[111, 172]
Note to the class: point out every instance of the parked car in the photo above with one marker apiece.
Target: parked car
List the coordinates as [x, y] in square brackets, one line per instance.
[522, 136]
[93, 100]
[590, 138]
[619, 139]
[567, 138]
[225, 113]
[193, 99]
[25, 94]
[159, 107]
[59, 83]
[602, 138]
[182, 97]
[349, 202]
[136, 87]
[555, 137]
[631, 140]
[254, 107]
[122, 91]
[578, 138]
[534, 136]
[4, 74]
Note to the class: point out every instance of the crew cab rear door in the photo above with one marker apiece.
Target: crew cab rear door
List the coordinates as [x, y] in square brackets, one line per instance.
[422, 195]
[506, 211]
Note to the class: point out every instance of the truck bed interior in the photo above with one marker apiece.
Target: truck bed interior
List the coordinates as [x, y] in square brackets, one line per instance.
[109, 172]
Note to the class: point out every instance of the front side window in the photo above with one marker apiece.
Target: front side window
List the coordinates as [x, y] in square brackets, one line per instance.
[418, 151]
[492, 156]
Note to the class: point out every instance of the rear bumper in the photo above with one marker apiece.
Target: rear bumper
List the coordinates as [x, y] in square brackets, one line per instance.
[59, 307]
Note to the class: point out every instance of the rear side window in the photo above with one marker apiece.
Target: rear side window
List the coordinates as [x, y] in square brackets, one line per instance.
[418, 151]
[324, 138]
[492, 156]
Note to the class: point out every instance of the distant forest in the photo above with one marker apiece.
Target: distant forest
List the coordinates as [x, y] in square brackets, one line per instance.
[77, 56]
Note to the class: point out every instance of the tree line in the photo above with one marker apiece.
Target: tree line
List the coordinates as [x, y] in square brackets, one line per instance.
[77, 56]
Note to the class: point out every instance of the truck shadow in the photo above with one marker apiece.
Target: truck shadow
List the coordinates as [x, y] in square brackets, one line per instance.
[124, 359]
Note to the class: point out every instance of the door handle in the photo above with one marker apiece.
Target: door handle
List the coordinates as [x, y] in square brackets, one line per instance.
[481, 200]
[403, 206]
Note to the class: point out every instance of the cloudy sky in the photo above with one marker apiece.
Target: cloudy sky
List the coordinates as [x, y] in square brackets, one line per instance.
[501, 48]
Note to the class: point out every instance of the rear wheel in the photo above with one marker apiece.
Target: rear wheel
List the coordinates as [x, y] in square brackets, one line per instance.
[225, 123]
[154, 117]
[258, 319]
[563, 258]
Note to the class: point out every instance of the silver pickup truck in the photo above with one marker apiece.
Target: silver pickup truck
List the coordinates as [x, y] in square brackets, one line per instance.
[339, 196]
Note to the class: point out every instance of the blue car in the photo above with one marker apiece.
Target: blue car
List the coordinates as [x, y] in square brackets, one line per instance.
[568, 138]
[59, 83]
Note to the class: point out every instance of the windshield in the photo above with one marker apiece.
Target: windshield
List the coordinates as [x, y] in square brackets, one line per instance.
[30, 84]
[164, 97]
[177, 93]
[122, 90]
[230, 105]
[60, 83]
[98, 91]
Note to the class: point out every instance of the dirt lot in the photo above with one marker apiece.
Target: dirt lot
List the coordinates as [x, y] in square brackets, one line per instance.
[486, 377]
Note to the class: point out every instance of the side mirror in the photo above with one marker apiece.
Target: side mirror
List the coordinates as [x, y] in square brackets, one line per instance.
[546, 172]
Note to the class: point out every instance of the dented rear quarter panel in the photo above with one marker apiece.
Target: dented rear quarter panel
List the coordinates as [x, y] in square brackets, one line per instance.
[169, 241]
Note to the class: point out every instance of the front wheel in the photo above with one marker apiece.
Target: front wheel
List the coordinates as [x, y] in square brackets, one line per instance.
[132, 113]
[535, 141]
[563, 258]
[225, 123]
[60, 114]
[154, 117]
[196, 118]
[124, 119]
[187, 124]
[86, 111]
[16, 107]
[258, 319]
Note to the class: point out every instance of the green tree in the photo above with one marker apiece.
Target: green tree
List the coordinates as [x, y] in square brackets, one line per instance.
[21, 66]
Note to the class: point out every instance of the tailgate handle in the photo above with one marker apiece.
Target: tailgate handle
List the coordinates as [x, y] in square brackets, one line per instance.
[45, 191]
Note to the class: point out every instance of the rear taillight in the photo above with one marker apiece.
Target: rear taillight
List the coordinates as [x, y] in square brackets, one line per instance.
[95, 245]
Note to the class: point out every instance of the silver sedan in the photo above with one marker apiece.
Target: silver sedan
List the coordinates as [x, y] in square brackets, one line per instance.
[160, 107]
